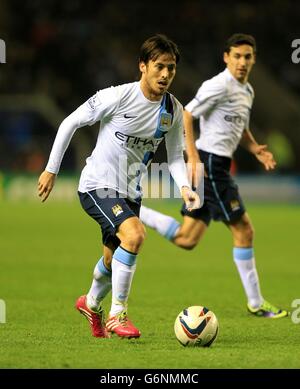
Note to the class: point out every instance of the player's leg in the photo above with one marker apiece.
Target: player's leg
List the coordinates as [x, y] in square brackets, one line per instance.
[190, 233]
[131, 234]
[165, 225]
[109, 212]
[101, 283]
[243, 254]
[185, 235]
[90, 305]
[225, 204]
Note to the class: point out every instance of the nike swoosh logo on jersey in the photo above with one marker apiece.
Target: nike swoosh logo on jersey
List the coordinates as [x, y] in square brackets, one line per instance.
[127, 116]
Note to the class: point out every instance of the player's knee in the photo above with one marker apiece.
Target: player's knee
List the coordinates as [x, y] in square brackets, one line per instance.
[187, 242]
[245, 236]
[135, 237]
[140, 235]
[188, 245]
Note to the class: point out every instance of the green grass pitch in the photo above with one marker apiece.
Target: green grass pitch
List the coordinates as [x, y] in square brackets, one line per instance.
[48, 252]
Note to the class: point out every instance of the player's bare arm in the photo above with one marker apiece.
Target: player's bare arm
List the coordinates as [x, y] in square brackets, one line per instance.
[191, 150]
[261, 152]
[45, 184]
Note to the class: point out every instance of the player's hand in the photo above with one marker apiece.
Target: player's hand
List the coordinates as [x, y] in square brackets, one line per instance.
[193, 168]
[265, 157]
[45, 184]
[191, 198]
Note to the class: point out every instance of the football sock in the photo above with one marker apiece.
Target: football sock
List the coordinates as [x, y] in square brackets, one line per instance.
[101, 285]
[163, 224]
[245, 262]
[123, 268]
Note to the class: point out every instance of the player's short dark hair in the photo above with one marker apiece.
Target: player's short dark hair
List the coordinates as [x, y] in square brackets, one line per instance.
[240, 39]
[157, 45]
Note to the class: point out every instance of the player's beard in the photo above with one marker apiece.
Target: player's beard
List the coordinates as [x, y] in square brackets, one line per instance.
[153, 89]
[243, 75]
[156, 91]
[162, 90]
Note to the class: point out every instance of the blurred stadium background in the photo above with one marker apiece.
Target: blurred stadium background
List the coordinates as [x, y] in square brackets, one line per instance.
[60, 52]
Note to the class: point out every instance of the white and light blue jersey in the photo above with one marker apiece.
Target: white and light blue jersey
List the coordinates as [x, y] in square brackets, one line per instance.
[223, 105]
[131, 129]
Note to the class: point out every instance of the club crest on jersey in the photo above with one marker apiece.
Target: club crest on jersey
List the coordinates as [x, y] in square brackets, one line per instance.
[235, 205]
[117, 209]
[165, 121]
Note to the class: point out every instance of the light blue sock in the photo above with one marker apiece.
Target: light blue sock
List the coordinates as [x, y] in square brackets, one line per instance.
[102, 268]
[245, 263]
[123, 269]
[101, 286]
[165, 225]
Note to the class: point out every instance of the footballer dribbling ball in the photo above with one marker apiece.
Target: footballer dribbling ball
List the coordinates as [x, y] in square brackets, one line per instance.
[196, 326]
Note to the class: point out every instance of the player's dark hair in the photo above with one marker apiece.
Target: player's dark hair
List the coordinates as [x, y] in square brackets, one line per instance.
[156, 45]
[240, 39]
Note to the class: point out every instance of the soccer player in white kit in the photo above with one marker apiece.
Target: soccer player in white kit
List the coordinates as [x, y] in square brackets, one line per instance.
[223, 105]
[134, 119]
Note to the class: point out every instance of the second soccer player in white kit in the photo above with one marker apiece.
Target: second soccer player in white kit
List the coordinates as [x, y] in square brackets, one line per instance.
[223, 105]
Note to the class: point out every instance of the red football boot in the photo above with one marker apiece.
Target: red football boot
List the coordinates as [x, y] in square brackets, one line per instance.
[122, 326]
[96, 319]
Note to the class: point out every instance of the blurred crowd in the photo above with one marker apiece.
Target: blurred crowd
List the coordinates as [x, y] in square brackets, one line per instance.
[69, 49]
